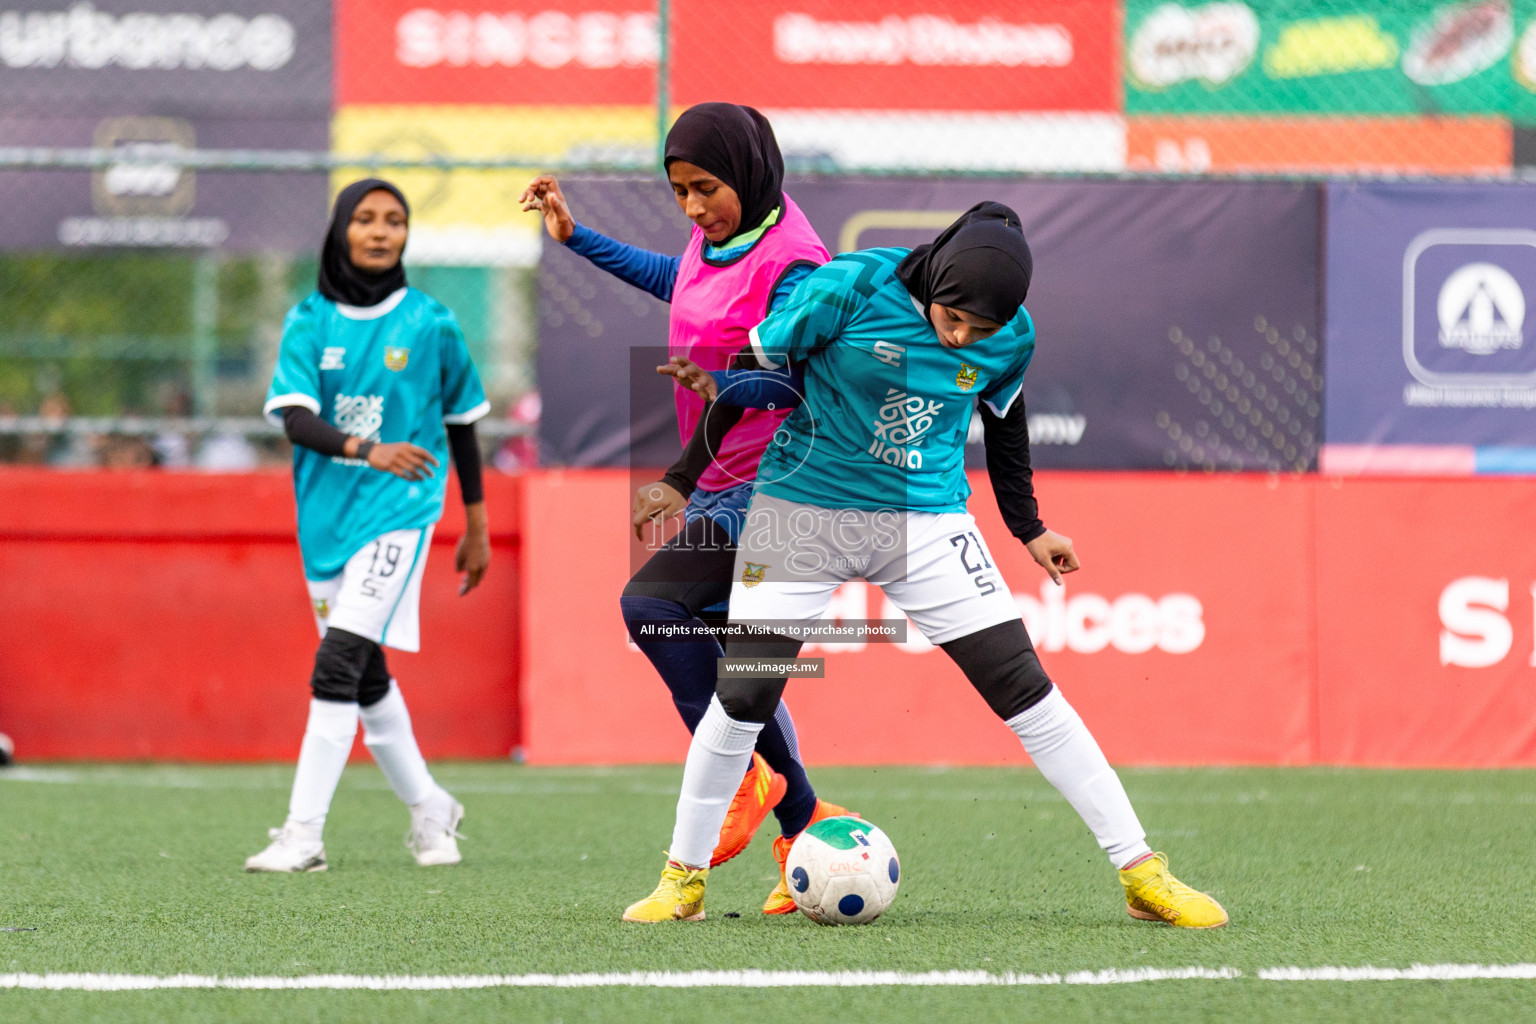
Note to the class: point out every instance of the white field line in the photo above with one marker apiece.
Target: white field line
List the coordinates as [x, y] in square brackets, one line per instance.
[752, 979]
[633, 979]
[1418, 972]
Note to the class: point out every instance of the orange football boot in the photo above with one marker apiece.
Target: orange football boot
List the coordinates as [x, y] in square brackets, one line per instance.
[759, 793]
[780, 901]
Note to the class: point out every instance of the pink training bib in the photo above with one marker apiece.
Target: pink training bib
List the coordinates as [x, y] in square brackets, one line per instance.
[714, 306]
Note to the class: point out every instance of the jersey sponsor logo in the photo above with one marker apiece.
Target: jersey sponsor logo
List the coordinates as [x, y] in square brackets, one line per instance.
[900, 427]
[360, 415]
[396, 358]
[966, 378]
[752, 574]
[333, 358]
[888, 353]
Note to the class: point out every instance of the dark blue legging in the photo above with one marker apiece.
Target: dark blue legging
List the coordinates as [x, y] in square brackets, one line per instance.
[691, 574]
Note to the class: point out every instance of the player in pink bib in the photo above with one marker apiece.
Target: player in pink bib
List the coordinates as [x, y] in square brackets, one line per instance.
[750, 246]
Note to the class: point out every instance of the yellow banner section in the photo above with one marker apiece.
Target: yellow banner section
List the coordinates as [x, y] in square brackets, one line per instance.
[472, 217]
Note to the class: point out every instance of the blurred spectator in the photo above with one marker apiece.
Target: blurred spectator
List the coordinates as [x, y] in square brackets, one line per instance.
[61, 448]
[522, 452]
[226, 452]
[124, 451]
[172, 449]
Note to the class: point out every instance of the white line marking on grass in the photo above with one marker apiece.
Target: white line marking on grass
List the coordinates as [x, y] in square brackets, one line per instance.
[634, 979]
[1418, 972]
[753, 979]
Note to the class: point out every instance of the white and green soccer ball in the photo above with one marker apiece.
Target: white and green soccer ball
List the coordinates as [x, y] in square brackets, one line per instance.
[842, 871]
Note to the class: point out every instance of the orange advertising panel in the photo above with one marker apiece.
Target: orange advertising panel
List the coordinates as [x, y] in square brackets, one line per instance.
[1192, 602]
[1444, 145]
[1426, 646]
[153, 615]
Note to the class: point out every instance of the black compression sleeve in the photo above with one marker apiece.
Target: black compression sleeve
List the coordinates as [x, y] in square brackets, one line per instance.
[716, 421]
[466, 459]
[1013, 482]
[310, 431]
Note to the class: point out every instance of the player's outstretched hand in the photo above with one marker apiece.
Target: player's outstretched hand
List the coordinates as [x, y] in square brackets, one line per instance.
[473, 555]
[655, 501]
[1054, 553]
[543, 194]
[691, 376]
[406, 460]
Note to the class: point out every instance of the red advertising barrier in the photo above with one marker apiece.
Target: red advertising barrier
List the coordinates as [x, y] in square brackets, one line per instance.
[544, 52]
[899, 54]
[1425, 636]
[164, 616]
[1217, 620]
[1192, 606]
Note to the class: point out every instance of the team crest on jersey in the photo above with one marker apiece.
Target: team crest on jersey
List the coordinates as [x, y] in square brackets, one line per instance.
[322, 608]
[396, 358]
[966, 378]
[752, 575]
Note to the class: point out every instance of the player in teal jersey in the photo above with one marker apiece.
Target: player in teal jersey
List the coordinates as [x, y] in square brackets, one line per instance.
[867, 479]
[374, 386]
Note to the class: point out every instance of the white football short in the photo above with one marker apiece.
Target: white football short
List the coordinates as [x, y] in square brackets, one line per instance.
[933, 566]
[377, 594]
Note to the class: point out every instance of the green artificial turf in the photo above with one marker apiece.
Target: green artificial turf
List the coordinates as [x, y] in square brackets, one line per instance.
[137, 870]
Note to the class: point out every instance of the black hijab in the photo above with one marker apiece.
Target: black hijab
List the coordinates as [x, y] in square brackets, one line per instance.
[979, 264]
[736, 145]
[341, 280]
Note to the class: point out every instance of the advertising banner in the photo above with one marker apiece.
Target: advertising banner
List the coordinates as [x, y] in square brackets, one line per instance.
[162, 205]
[1320, 56]
[1426, 650]
[898, 54]
[1318, 145]
[213, 556]
[1176, 607]
[174, 58]
[1151, 354]
[1431, 366]
[538, 52]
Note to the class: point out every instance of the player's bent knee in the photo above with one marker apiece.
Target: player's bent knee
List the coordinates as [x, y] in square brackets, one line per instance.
[374, 684]
[340, 665]
[750, 700]
[1001, 663]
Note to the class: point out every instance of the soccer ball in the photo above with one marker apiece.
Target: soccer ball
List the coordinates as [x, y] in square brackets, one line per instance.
[842, 871]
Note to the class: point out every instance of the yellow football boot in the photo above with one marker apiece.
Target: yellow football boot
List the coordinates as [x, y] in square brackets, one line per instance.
[1152, 894]
[679, 896]
[780, 901]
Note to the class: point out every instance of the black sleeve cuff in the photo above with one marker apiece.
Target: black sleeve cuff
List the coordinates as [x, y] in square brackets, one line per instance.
[465, 449]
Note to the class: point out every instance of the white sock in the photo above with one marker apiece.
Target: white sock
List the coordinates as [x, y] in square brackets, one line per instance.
[1067, 755]
[327, 744]
[387, 732]
[717, 759]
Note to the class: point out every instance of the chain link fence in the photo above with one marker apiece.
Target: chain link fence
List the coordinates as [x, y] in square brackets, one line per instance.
[168, 163]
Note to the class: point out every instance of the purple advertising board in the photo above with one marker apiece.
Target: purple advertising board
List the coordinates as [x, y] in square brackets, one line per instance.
[1177, 322]
[1429, 365]
[181, 58]
[148, 205]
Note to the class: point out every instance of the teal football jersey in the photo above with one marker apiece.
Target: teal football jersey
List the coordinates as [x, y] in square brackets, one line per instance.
[393, 372]
[886, 407]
